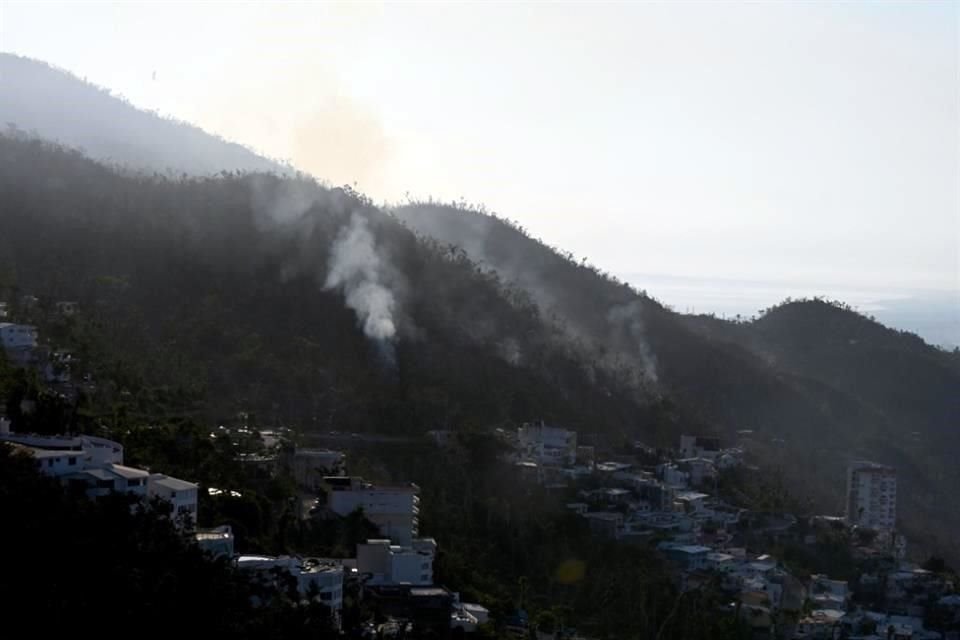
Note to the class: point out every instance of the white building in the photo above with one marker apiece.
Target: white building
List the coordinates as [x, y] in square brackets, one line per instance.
[829, 594]
[395, 510]
[95, 482]
[692, 502]
[322, 577]
[383, 563]
[17, 336]
[467, 615]
[730, 458]
[101, 450]
[547, 445]
[96, 465]
[96, 450]
[325, 578]
[672, 476]
[58, 462]
[112, 478]
[180, 493]
[718, 561]
[700, 471]
[699, 447]
[480, 613]
[871, 496]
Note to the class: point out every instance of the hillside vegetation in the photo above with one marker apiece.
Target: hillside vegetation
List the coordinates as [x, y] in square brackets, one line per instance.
[217, 293]
[276, 296]
[816, 382]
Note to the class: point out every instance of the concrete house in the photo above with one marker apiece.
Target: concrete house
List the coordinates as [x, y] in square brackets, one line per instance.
[394, 509]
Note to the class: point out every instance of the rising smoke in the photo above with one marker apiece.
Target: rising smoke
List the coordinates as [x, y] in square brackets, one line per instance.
[616, 327]
[357, 269]
[628, 319]
[355, 266]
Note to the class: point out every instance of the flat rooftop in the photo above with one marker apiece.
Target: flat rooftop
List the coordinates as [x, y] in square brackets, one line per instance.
[174, 483]
[691, 495]
[128, 472]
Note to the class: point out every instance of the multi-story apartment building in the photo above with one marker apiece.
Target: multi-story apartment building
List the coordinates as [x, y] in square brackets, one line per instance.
[871, 496]
[394, 509]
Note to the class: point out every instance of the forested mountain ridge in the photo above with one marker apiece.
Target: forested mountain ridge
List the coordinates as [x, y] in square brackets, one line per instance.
[822, 382]
[36, 97]
[221, 289]
[220, 294]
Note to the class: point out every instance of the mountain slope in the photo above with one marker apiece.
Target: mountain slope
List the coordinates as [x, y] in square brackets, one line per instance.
[35, 97]
[816, 382]
[219, 292]
[223, 293]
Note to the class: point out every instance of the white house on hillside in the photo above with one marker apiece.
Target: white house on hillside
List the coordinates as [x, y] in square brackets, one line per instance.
[547, 445]
[96, 465]
[97, 450]
[382, 563]
[180, 493]
[394, 509]
[313, 575]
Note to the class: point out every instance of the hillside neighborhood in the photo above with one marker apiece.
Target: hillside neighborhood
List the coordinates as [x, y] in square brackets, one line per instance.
[480, 320]
[666, 499]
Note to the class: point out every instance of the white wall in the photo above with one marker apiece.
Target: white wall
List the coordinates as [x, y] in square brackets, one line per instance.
[103, 451]
[18, 336]
[872, 496]
[393, 510]
[395, 564]
[62, 463]
[329, 583]
[549, 445]
[184, 500]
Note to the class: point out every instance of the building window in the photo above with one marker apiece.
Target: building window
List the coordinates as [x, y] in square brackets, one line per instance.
[72, 461]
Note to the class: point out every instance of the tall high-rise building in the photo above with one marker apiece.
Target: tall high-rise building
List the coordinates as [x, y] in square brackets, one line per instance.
[872, 496]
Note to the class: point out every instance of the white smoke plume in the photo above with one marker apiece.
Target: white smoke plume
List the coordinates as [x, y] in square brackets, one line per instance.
[357, 270]
[626, 321]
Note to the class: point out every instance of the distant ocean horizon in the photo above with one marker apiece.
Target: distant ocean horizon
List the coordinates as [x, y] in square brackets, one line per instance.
[934, 315]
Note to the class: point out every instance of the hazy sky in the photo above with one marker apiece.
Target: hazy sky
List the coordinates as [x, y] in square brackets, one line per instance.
[806, 142]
